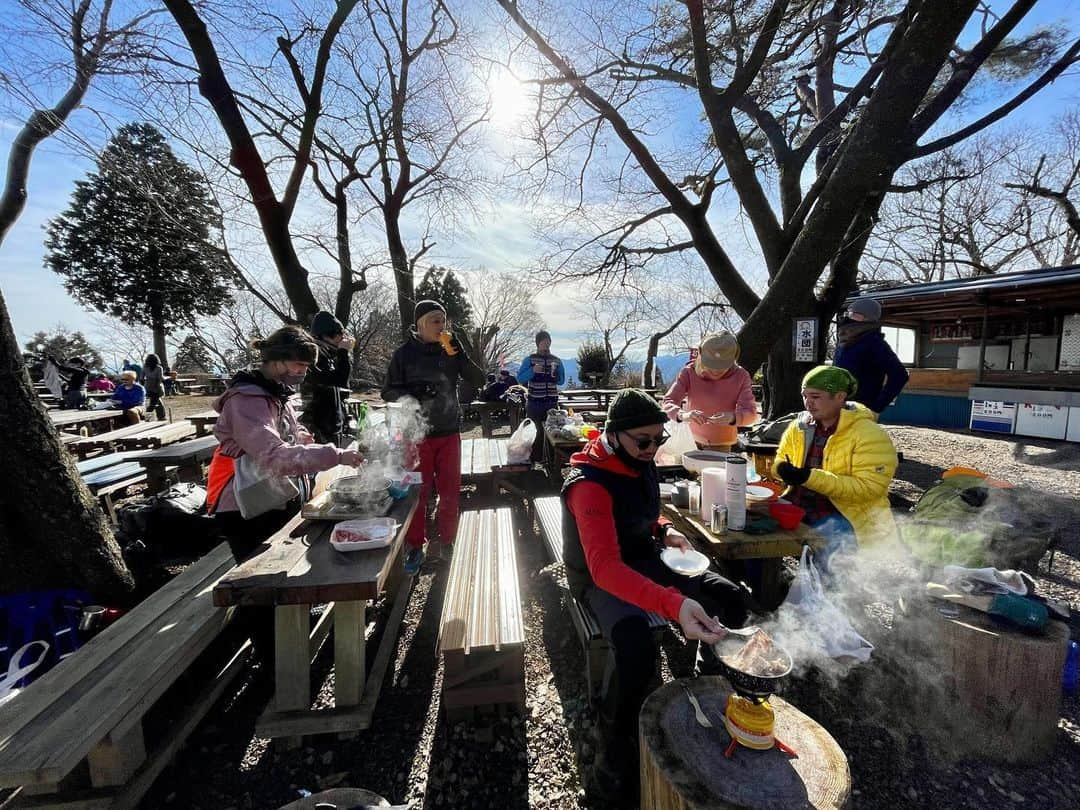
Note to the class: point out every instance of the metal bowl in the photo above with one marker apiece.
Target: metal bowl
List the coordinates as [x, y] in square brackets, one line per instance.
[745, 683]
[360, 492]
[697, 460]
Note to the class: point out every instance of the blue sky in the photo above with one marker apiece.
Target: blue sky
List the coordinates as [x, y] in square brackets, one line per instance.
[499, 238]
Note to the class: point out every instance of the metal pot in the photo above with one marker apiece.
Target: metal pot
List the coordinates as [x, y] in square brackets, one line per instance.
[363, 493]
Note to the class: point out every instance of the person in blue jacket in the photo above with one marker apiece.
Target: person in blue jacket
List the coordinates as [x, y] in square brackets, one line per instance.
[861, 349]
[130, 397]
[542, 373]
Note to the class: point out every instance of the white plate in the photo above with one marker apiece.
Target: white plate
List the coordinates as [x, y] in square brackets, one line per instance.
[688, 563]
[758, 493]
[379, 530]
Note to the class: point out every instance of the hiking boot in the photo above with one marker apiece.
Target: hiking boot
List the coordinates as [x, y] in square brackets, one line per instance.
[414, 558]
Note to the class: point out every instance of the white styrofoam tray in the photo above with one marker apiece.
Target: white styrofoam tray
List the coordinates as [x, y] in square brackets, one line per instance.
[379, 530]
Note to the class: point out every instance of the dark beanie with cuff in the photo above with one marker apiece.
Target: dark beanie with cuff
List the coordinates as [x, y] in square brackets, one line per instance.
[426, 307]
[324, 323]
[631, 409]
[288, 343]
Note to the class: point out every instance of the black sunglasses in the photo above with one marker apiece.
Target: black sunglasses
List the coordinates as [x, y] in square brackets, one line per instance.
[645, 444]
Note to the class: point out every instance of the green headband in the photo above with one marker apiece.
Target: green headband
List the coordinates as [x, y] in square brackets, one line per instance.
[832, 379]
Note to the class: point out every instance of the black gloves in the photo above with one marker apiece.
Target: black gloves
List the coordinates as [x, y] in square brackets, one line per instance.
[790, 474]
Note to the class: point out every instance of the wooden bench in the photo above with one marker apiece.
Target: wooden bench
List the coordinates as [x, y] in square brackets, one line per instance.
[594, 646]
[107, 482]
[481, 633]
[483, 463]
[76, 736]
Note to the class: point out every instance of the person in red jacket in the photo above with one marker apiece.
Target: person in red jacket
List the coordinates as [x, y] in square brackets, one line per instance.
[612, 538]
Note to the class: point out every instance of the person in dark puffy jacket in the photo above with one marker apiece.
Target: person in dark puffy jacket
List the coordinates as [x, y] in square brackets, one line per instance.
[154, 382]
[327, 380]
[75, 388]
[427, 367]
[861, 349]
[542, 373]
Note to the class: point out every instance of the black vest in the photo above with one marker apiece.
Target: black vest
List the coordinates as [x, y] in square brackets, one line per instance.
[636, 506]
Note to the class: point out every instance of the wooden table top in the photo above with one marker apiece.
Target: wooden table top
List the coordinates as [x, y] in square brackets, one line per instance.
[202, 447]
[65, 418]
[203, 416]
[306, 569]
[740, 545]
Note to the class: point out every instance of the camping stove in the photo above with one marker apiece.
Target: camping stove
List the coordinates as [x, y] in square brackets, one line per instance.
[749, 721]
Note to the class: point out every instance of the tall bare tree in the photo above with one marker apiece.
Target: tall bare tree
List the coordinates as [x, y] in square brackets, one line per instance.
[52, 532]
[505, 319]
[842, 91]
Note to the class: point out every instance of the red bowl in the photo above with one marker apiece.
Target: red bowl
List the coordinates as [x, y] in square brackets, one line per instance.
[787, 515]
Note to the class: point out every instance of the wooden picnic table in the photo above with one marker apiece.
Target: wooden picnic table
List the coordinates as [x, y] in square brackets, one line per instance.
[187, 457]
[89, 419]
[557, 452]
[770, 548]
[204, 421]
[483, 463]
[298, 568]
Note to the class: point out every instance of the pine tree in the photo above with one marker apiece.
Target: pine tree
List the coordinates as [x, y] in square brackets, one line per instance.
[62, 345]
[440, 284]
[135, 243]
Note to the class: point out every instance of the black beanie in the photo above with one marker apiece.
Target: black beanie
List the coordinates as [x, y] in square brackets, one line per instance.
[288, 343]
[631, 409]
[324, 323]
[543, 334]
[426, 306]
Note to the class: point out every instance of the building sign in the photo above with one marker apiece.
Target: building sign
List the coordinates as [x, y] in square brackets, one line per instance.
[1044, 421]
[804, 340]
[994, 417]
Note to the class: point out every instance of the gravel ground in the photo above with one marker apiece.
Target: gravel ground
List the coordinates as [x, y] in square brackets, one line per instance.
[411, 755]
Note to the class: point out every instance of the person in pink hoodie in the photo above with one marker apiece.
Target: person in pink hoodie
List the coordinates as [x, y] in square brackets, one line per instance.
[712, 394]
[258, 419]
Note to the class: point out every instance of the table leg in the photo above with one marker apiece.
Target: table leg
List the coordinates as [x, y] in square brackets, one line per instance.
[770, 582]
[349, 652]
[485, 423]
[292, 666]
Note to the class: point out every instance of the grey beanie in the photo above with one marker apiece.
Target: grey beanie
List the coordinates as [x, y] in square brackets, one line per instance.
[867, 307]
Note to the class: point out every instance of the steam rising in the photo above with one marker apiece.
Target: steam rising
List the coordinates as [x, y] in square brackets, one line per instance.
[390, 439]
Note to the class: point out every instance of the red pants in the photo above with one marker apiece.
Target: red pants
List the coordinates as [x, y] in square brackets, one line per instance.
[440, 466]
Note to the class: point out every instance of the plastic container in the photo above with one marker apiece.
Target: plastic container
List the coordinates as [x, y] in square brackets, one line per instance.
[1070, 676]
[713, 482]
[787, 515]
[736, 493]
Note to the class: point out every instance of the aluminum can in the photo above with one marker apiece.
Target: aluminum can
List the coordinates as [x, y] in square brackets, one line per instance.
[718, 524]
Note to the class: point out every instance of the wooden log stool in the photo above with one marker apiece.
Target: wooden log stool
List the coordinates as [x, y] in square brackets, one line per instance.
[1008, 683]
[683, 764]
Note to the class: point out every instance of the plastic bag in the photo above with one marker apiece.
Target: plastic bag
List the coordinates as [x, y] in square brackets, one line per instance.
[681, 440]
[21, 667]
[519, 448]
[825, 625]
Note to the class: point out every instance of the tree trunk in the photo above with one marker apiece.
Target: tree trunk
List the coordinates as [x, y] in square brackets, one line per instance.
[403, 276]
[783, 378]
[52, 532]
[346, 286]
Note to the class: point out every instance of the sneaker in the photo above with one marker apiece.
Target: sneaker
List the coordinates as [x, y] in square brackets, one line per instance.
[414, 558]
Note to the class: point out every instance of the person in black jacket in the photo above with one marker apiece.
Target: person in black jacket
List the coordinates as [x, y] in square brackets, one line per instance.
[861, 349]
[327, 380]
[75, 390]
[427, 367]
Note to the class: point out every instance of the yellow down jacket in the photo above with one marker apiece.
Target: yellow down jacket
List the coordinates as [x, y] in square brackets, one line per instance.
[858, 463]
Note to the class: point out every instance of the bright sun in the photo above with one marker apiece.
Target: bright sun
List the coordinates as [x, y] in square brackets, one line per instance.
[509, 100]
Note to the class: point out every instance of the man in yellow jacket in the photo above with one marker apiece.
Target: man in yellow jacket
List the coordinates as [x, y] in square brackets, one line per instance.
[838, 462]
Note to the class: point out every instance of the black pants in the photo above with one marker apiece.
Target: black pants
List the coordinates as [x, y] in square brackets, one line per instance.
[626, 627]
[246, 538]
[153, 403]
[537, 409]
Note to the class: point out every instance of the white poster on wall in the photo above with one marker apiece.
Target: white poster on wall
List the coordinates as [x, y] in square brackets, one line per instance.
[1043, 421]
[993, 416]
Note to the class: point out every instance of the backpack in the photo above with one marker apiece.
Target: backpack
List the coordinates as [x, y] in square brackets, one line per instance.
[171, 521]
[770, 432]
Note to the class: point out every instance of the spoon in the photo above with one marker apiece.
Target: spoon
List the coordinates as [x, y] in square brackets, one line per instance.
[702, 719]
[742, 631]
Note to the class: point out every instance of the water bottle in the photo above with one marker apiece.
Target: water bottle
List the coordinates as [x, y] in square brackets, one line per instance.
[1071, 674]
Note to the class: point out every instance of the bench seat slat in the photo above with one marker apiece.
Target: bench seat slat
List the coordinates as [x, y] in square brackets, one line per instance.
[52, 725]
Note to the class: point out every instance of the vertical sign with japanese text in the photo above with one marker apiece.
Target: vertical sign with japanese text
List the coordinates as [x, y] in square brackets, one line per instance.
[804, 340]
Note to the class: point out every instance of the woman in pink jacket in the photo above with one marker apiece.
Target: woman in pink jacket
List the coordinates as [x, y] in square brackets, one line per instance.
[258, 419]
[712, 394]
